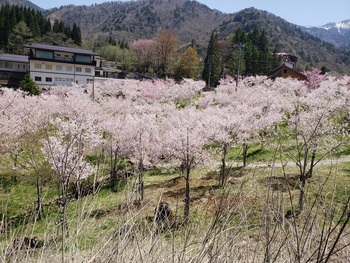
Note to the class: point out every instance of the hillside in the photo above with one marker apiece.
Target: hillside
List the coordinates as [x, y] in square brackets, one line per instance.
[24, 3]
[286, 37]
[335, 33]
[124, 156]
[131, 20]
[193, 21]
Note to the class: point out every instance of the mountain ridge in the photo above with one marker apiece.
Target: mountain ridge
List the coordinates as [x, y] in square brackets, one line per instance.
[192, 21]
[337, 33]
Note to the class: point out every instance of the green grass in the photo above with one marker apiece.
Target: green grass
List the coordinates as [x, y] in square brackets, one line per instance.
[249, 193]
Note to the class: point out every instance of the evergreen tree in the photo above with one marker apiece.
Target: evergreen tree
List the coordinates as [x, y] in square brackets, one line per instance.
[29, 86]
[11, 16]
[19, 36]
[212, 66]
[76, 35]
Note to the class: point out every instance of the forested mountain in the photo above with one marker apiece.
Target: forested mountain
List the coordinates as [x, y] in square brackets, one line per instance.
[23, 3]
[286, 37]
[192, 21]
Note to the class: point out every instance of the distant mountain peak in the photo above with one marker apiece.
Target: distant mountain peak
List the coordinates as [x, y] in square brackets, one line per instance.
[340, 25]
[337, 33]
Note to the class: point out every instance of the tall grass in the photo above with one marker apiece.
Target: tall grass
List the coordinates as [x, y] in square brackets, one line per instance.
[252, 219]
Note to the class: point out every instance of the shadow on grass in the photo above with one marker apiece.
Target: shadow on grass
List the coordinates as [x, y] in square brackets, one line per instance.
[283, 184]
[197, 192]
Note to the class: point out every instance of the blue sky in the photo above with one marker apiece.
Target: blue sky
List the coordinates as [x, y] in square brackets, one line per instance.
[300, 12]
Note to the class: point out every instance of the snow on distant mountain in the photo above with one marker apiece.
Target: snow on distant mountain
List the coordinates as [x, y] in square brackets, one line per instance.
[335, 33]
[344, 25]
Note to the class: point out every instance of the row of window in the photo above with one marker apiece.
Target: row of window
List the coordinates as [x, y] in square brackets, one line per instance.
[60, 68]
[50, 55]
[49, 79]
[11, 65]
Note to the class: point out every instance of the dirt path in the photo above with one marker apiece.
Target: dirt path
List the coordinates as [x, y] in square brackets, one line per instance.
[278, 164]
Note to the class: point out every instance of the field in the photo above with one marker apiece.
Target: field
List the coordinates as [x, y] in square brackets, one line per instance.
[260, 174]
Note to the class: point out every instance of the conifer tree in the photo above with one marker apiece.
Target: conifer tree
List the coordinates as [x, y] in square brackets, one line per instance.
[76, 35]
[19, 36]
[212, 66]
[28, 85]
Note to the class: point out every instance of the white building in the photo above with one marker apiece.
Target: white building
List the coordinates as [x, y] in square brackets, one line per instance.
[14, 63]
[56, 65]
[13, 69]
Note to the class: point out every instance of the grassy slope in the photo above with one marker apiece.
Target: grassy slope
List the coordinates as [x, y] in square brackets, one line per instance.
[98, 223]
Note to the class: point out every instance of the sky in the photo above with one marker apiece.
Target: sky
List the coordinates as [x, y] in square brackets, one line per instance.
[299, 12]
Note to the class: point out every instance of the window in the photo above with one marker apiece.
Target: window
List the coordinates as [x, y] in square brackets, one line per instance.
[83, 58]
[58, 67]
[69, 68]
[37, 78]
[37, 65]
[8, 64]
[47, 79]
[44, 54]
[285, 71]
[63, 79]
[78, 69]
[88, 70]
[48, 66]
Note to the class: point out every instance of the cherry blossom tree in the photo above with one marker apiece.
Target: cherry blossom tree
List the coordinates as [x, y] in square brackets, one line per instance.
[144, 53]
[65, 148]
[312, 129]
[314, 78]
[184, 137]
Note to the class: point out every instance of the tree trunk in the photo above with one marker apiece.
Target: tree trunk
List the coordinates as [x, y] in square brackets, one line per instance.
[245, 151]
[64, 223]
[141, 182]
[302, 194]
[140, 168]
[113, 172]
[223, 165]
[312, 164]
[187, 196]
[303, 166]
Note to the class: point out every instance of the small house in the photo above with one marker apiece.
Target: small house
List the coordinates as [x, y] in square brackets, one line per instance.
[284, 71]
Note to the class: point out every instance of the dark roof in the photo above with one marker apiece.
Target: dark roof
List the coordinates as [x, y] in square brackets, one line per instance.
[277, 71]
[60, 48]
[14, 58]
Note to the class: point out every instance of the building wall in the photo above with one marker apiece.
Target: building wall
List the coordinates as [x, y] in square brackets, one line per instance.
[11, 66]
[286, 72]
[49, 73]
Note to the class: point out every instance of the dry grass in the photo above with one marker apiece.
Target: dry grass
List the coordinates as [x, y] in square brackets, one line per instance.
[245, 222]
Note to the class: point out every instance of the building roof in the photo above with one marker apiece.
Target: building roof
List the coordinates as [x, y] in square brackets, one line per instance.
[278, 72]
[14, 58]
[60, 48]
